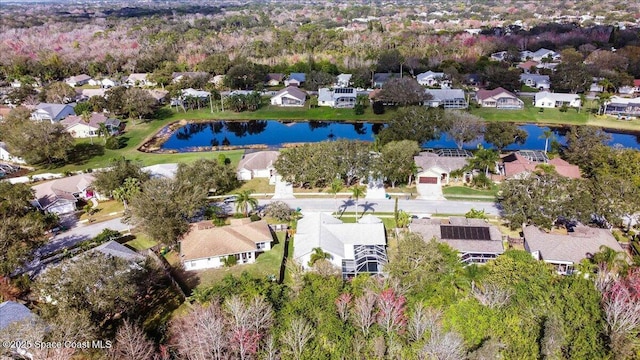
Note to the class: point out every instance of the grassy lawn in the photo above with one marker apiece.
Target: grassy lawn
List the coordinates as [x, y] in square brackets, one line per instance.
[258, 185]
[106, 210]
[141, 242]
[468, 191]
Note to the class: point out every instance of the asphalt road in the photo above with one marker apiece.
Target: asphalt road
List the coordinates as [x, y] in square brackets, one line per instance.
[79, 233]
[387, 205]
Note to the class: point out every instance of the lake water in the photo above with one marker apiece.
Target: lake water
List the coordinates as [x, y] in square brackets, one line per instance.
[275, 133]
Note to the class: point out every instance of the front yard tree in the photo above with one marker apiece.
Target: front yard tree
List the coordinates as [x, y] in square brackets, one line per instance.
[395, 163]
[357, 192]
[207, 177]
[463, 127]
[119, 171]
[403, 91]
[501, 76]
[138, 103]
[21, 226]
[416, 123]
[503, 134]
[244, 201]
[59, 93]
[37, 142]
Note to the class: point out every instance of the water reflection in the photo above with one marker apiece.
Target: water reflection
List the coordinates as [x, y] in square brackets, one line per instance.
[274, 134]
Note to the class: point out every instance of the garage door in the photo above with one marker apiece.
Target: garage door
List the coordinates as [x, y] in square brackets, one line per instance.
[428, 180]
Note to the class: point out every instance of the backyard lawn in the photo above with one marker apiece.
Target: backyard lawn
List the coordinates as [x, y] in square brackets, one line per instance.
[106, 210]
[141, 242]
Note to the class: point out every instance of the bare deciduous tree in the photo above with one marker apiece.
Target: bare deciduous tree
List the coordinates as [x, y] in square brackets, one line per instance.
[201, 334]
[342, 303]
[363, 312]
[132, 343]
[296, 337]
[424, 320]
[448, 346]
[270, 349]
[491, 295]
[391, 315]
[463, 127]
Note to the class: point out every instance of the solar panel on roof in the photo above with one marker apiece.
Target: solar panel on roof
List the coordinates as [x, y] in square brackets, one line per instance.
[453, 153]
[464, 232]
[534, 155]
[343, 91]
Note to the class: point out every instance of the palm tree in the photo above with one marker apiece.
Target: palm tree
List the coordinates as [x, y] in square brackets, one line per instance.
[127, 191]
[610, 258]
[319, 254]
[484, 159]
[103, 131]
[583, 100]
[607, 85]
[86, 118]
[603, 100]
[336, 186]
[546, 135]
[244, 200]
[357, 192]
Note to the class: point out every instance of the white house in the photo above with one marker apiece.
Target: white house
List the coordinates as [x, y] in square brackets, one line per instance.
[447, 98]
[539, 55]
[5, 155]
[565, 250]
[337, 98]
[59, 196]
[289, 96]
[78, 80]
[355, 248]
[274, 79]
[536, 81]
[52, 112]
[139, 79]
[257, 165]
[431, 78]
[343, 80]
[160, 171]
[498, 98]
[295, 79]
[206, 246]
[546, 99]
[104, 83]
[435, 170]
[79, 128]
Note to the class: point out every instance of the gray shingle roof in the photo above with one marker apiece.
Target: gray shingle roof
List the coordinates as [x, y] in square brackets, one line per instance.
[112, 248]
[12, 312]
[572, 247]
[431, 228]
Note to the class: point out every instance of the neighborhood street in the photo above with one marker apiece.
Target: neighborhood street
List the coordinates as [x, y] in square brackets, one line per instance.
[414, 207]
[80, 233]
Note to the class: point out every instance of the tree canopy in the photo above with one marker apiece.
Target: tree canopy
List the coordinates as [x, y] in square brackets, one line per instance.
[417, 123]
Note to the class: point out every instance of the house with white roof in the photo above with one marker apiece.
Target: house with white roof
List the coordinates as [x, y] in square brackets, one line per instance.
[160, 171]
[289, 96]
[355, 248]
[431, 78]
[52, 112]
[338, 97]
[539, 55]
[5, 155]
[447, 98]
[139, 79]
[475, 240]
[343, 80]
[620, 106]
[547, 99]
[257, 165]
[566, 250]
[207, 246]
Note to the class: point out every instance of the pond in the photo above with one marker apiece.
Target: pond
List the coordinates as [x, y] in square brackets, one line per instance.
[274, 134]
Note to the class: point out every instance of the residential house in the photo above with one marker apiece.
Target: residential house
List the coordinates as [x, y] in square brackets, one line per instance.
[476, 241]
[473, 80]
[12, 312]
[379, 79]
[623, 107]
[5, 155]
[498, 98]
[536, 81]
[17, 320]
[114, 249]
[630, 89]
[547, 99]
[343, 80]
[206, 246]
[566, 250]
[159, 95]
[78, 80]
[104, 83]
[595, 86]
[139, 79]
[540, 55]
[159, 171]
[498, 56]
[176, 77]
[447, 98]
[257, 165]
[289, 96]
[274, 79]
[60, 196]
[433, 79]
[337, 98]
[52, 112]
[79, 128]
[355, 248]
[522, 163]
[217, 80]
[86, 94]
[527, 66]
[435, 170]
[295, 79]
